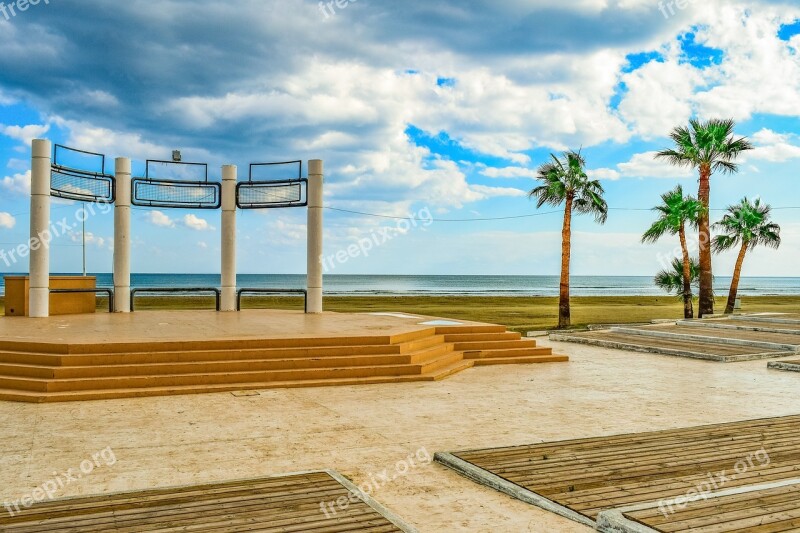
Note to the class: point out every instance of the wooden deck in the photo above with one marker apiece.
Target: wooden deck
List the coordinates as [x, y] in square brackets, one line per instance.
[767, 511]
[278, 504]
[589, 476]
[730, 339]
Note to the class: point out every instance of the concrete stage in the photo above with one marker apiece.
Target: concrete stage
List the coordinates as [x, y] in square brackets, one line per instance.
[153, 353]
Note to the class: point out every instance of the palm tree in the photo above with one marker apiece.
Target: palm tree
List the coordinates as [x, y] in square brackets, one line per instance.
[746, 225]
[564, 181]
[672, 281]
[708, 147]
[676, 210]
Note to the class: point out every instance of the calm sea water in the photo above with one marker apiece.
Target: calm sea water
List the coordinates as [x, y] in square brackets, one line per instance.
[453, 285]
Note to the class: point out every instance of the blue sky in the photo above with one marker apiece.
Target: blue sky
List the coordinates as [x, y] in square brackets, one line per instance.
[440, 107]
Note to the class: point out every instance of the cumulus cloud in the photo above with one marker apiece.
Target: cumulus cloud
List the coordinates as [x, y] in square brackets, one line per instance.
[25, 134]
[644, 165]
[18, 183]
[495, 192]
[509, 172]
[158, 218]
[659, 96]
[773, 147]
[7, 221]
[196, 223]
[92, 239]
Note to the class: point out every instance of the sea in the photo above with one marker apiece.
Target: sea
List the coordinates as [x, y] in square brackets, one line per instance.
[387, 285]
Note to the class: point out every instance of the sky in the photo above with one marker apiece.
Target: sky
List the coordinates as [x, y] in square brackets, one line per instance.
[439, 111]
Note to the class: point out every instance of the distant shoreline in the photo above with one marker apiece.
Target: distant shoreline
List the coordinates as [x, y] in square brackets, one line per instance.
[518, 313]
[489, 286]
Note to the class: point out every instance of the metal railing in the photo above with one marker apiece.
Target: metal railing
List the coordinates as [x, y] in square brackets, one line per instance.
[107, 292]
[176, 290]
[241, 292]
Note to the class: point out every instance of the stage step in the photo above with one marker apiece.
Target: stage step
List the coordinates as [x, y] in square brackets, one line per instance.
[506, 352]
[473, 337]
[521, 360]
[35, 397]
[52, 372]
[94, 371]
[474, 328]
[234, 355]
[494, 345]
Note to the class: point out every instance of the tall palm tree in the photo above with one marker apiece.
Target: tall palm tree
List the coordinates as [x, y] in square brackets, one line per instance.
[672, 281]
[747, 225]
[564, 181]
[675, 211]
[708, 147]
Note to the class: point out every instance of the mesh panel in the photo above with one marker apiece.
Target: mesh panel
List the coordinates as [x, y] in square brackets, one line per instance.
[177, 194]
[81, 186]
[265, 195]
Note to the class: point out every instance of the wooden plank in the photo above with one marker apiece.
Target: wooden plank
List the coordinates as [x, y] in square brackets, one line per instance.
[277, 504]
[591, 475]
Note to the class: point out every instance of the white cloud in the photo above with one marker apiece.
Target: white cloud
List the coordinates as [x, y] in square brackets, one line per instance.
[157, 218]
[646, 165]
[659, 96]
[18, 183]
[773, 147]
[121, 144]
[7, 220]
[760, 73]
[509, 172]
[643, 165]
[25, 134]
[196, 223]
[92, 239]
[495, 192]
[202, 245]
[604, 174]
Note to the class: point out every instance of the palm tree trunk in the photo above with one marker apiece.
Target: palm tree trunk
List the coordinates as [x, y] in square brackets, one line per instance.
[737, 272]
[706, 275]
[564, 318]
[688, 310]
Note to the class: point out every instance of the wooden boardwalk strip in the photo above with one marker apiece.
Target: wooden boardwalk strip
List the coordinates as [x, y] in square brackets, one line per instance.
[589, 476]
[762, 511]
[306, 502]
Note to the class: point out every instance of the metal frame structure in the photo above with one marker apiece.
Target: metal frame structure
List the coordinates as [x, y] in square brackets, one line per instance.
[122, 191]
[71, 172]
[176, 290]
[241, 292]
[251, 184]
[212, 188]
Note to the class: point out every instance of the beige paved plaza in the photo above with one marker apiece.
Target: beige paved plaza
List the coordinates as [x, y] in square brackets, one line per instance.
[361, 431]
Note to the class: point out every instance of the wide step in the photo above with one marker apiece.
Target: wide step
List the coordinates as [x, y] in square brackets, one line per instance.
[507, 352]
[495, 345]
[65, 373]
[522, 360]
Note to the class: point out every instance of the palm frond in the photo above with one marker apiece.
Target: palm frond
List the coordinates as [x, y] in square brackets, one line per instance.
[671, 280]
[565, 178]
[708, 144]
[747, 222]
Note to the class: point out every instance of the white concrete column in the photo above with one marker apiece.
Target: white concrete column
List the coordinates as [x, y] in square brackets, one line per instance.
[314, 283]
[39, 290]
[229, 177]
[122, 236]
